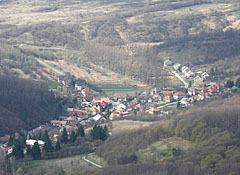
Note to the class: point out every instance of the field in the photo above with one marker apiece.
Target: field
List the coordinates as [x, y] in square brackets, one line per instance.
[119, 126]
[68, 164]
[163, 149]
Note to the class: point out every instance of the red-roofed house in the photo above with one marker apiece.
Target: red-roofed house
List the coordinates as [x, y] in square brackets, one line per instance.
[87, 92]
[167, 93]
[120, 96]
[168, 99]
[154, 111]
[179, 95]
[114, 115]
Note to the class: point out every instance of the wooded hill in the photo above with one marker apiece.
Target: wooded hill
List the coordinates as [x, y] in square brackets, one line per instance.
[25, 104]
[212, 129]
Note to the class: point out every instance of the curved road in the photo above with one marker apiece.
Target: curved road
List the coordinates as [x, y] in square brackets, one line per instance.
[91, 162]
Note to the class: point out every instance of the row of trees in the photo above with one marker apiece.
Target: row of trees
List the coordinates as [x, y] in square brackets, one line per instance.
[230, 83]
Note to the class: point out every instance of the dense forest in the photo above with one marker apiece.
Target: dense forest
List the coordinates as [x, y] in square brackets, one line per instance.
[25, 104]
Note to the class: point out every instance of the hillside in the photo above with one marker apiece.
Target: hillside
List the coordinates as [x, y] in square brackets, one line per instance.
[25, 104]
[129, 38]
[207, 143]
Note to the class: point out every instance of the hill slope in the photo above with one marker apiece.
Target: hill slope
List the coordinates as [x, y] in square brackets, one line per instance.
[25, 104]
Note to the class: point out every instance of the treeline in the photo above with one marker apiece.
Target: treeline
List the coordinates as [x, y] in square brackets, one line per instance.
[29, 104]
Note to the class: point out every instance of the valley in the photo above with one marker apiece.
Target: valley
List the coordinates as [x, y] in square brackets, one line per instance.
[119, 87]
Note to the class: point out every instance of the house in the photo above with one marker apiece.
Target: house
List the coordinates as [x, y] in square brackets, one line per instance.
[184, 101]
[139, 106]
[69, 110]
[153, 91]
[168, 99]
[197, 80]
[179, 95]
[91, 110]
[167, 93]
[70, 118]
[114, 115]
[205, 75]
[31, 142]
[65, 79]
[154, 111]
[122, 106]
[183, 69]
[4, 139]
[87, 92]
[58, 123]
[9, 150]
[177, 66]
[98, 118]
[191, 92]
[168, 63]
[101, 99]
[120, 96]
[78, 86]
[80, 114]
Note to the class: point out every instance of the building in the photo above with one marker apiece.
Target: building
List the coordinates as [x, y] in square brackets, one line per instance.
[168, 63]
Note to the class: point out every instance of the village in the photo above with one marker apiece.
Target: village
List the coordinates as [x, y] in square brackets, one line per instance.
[92, 107]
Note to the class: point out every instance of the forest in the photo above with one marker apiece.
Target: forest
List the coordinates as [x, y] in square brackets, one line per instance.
[25, 104]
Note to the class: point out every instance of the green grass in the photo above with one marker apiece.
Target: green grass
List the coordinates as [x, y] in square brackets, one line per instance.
[32, 164]
[53, 85]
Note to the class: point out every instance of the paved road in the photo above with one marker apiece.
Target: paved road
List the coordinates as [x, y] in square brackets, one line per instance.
[168, 104]
[180, 78]
[50, 67]
[92, 163]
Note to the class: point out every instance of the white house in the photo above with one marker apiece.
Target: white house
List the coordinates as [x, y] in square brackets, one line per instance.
[78, 86]
[31, 142]
[198, 79]
[97, 117]
[205, 75]
[177, 66]
[168, 63]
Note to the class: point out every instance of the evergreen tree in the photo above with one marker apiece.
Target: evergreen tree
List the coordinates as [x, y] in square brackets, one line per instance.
[80, 131]
[29, 150]
[212, 72]
[17, 150]
[229, 84]
[58, 146]
[64, 136]
[11, 140]
[216, 71]
[48, 143]
[190, 84]
[73, 137]
[98, 132]
[238, 83]
[36, 152]
[178, 104]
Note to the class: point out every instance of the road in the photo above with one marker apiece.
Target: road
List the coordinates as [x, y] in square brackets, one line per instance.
[180, 78]
[92, 163]
[168, 104]
[50, 67]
